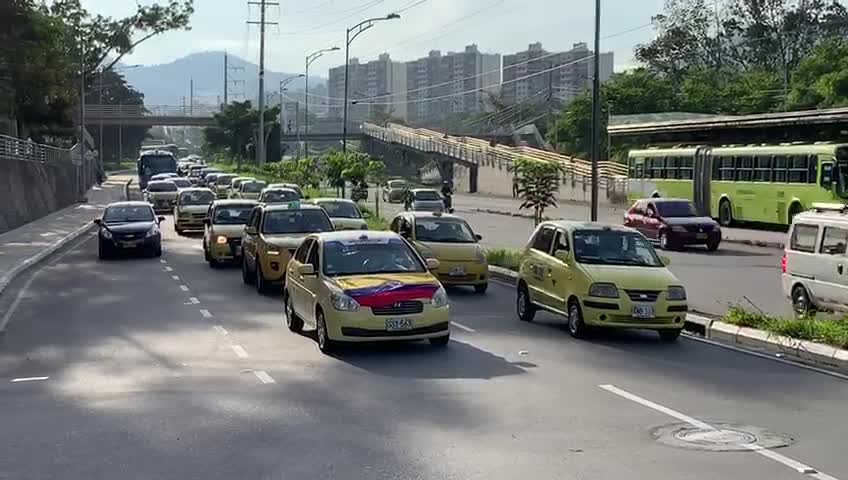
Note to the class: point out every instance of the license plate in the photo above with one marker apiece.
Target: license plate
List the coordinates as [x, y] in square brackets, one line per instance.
[643, 311]
[457, 271]
[130, 244]
[398, 324]
[701, 236]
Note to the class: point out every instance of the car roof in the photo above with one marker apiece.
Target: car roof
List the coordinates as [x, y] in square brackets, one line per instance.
[130, 203]
[197, 189]
[279, 189]
[158, 182]
[341, 235]
[572, 225]
[253, 180]
[432, 215]
[424, 190]
[664, 200]
[244, 178]
[234, 203]
[286, 206]
[332, 199]
[284, 185]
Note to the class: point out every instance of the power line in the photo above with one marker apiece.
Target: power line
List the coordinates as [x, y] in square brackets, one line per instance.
[315, 30]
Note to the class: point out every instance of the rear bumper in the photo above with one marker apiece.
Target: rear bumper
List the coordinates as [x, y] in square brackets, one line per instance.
[227, 251]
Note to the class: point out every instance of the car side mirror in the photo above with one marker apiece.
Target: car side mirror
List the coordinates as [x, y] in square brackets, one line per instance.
[478, 237]
[665, 260]
[405, 234]
[250, 230]
[98, 221]
[160, 219]
[433, 264]
[306, 270]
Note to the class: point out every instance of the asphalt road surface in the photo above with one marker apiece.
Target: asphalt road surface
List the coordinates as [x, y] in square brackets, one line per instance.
[735, 274]
[143, 369]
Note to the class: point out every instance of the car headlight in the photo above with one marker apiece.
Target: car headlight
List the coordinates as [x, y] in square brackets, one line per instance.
[606, 290]
[221, 240]
[678, 229]
[480, 257]
[440, 298]
[106, 234]
[273, 253]
[152, 232]
[676, 293]
[343, 302]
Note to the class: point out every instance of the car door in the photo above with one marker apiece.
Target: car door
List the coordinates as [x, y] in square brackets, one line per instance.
[559, 281]
[831, 268]
[651, 222]
[311, 284]
[633, 217]
[250, 238]
[295, 279]
[537, 268]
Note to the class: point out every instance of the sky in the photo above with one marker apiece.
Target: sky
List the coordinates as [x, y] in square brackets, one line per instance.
[496, 26]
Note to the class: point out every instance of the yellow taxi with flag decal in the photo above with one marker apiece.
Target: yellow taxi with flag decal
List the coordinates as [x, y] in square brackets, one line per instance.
[224, 230]
[192, 208]
[344, 213]
[272, 234]
[364, 287]
[448, 238]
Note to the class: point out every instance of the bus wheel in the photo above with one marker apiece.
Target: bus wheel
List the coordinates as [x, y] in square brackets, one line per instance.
[725, 213]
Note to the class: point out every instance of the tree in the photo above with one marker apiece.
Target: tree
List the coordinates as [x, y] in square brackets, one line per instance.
[236, 127]
[538, 183]
[335, 165]
[117, 140]
[821, 80]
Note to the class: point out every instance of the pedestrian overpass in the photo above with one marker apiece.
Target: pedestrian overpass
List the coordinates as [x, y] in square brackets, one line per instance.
[150, 115]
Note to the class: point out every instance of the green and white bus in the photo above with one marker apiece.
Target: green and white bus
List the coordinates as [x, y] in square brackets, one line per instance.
[768, 184]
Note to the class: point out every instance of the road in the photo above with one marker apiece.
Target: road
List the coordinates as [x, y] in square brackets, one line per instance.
[735, 274]
[169, 369]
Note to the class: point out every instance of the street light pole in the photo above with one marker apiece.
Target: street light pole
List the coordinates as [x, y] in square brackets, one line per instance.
[596, 111]
[357, 30]
[283, 83]
[309, 59]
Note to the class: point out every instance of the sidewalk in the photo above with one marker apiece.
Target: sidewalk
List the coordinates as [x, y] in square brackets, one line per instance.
[28, 244]
[576, 211]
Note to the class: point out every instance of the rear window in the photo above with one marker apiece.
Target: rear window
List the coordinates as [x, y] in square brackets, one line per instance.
[427, 195]
[181, 182]
[804, 238]
[224, 179]
[161, 187]
[341, 209]
[197, 197]
[252, 187]
[296, 221]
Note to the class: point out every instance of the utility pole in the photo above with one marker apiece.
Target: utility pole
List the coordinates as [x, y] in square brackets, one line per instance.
[228, 80]
[100, 101]
[191, 96]
[297, 125]
[260, 149]
[81, 168]
[596, 111]
[309, 59]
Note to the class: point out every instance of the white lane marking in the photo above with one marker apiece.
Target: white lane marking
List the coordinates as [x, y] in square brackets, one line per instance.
[169, 269]
[205, 313]
[163, 261]
[240, 352]
[175, 277]
[791, 463]
[263, 376]
[193, 300]
[184, 288]
[28, 379]
[220, 329]
[462, 327]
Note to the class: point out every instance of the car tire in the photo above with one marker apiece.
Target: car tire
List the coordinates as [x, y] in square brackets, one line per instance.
[440, 342]
[712, 245]
[523, 305]
[206, 255]
[246, 277]
[725, 213]
[178, 230]
[103, 252]
[481, 288]
[325, 345]
[262, 286]
[665, 242]
[802, 305]
[294, 322]
[157, 251]
[669, 335]
[576, 327]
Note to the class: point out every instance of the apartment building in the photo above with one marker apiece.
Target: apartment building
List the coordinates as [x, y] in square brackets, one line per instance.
[376, 78]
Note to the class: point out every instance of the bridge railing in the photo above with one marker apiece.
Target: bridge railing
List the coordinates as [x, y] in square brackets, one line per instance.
[130, 111]
[29, 151]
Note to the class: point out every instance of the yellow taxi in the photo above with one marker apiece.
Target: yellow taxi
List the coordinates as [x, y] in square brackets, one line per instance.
[364, 286]
[278, 195]
[448, 238]
[250, 190]
[292, 186]
[599, 275]
[344, 213]
[272, 234]
[224, 229]
[192, 208]
[235, 184]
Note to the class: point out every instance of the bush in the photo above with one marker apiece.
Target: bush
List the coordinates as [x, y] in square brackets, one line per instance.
[374, 222]
[510, 259]
[829, 330]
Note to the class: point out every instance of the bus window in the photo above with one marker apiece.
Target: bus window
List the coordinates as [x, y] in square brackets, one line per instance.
[726, 170]
[717, 168]
[813, 174]
[827, 175]
[798, 169]
[744, 168]
[657, 168]
[779, 168]
[671, 165]
[762, 168]
[685, 164]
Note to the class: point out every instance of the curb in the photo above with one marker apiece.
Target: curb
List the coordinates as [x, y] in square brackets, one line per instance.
[46, 252]
[802, 351]
[753, 243]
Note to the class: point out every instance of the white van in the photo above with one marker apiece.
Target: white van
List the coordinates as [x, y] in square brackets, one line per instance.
[815, 264]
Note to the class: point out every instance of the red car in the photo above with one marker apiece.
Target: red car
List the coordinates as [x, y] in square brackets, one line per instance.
[673, 223]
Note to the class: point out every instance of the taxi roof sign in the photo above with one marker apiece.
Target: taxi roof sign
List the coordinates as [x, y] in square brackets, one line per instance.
[830, 207]
[294, 205]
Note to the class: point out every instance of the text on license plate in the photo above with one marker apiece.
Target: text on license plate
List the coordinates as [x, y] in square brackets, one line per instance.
[457, 271]
[398, 324]
[132, 244]
[643, 311]
[701, 236]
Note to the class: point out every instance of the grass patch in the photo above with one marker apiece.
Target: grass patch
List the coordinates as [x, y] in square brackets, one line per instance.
[501, 257]
[374, 222]
[828, 330]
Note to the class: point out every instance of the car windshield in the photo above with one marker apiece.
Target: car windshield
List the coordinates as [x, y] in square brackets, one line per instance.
[280, 196]
[610, 247]
[181, 182]
[161, 187]
[231, 215]
[675, 209]
[128, 213]
[197, 198]
[252, 187]
[341, 209]
[296, 221]
[372, 256]
[443, 230]
[427, 195]
[397, 184]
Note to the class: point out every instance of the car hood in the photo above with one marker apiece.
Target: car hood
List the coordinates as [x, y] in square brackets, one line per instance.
[133, 227]
[285, 241]
[194, 208]
[629, 277]
[449, 252]
[689, 221]
[230, 231]
[387, 289]
[349, 223]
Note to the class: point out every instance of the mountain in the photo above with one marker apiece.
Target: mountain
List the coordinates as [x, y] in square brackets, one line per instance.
[169, 83]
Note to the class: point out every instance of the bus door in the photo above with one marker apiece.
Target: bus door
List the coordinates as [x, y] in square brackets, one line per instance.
[701, 176]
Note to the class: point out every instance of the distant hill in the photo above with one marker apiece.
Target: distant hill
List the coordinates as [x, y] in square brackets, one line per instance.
[168, 83]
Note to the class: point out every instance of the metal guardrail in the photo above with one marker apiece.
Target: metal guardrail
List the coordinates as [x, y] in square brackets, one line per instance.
[134, 111]
[29, 151]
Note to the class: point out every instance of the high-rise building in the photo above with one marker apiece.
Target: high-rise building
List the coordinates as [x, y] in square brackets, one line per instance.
[377, 78]
[524, 80]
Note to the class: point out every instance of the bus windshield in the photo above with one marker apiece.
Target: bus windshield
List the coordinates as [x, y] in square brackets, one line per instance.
[149, 165]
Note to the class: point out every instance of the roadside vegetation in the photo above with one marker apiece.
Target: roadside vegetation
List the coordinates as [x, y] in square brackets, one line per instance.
[824, 329]
[505, 258]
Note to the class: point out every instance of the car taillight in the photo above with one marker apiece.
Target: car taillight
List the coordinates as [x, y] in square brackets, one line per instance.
[783, 263]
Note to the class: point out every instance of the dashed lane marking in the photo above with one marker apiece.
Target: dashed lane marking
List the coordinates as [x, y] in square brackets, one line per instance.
[205, 313]
[163, 261]
[240, 352]
[220, 329]
[263, 376]
[175, 277]
[184, 288]
[193, 300]
[28, 379]
[462, 327]
[169, 269]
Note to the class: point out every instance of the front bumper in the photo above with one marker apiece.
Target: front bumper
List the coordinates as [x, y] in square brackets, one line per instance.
[274, 266]
[363, 326]
[162, 205]
[226, 251]
[189, 222]
[462, 273]
[119, 245]
[618, 313]
[694, 238]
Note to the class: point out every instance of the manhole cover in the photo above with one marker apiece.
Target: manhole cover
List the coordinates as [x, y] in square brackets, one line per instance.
[724, 438]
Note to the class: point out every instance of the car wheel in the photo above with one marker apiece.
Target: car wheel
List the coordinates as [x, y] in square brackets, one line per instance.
[157, 250]
[665, 243]
[103, 252]
[440, 342]
[325, 345]
[801, 303]
[576, 327]
[712, 245]
[178, 230]
[725, 213]
[206, 255]
[262, 285]
[669, 335]
[523, 305]
[294, 322]
[481, 288]
[246, 277]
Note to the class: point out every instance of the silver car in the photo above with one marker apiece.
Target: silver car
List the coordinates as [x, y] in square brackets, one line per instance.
[427, 200]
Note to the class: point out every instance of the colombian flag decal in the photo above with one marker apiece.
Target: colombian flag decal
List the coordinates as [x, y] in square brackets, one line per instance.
[390, 293]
